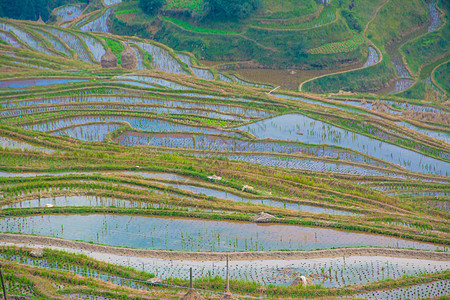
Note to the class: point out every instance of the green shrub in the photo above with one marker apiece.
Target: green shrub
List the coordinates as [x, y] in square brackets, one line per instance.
[352, 20]
[151, 7]
[225, 9]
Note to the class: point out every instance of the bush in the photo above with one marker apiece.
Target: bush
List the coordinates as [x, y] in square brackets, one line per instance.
[234, 9]
[352, 21]
[151, 7]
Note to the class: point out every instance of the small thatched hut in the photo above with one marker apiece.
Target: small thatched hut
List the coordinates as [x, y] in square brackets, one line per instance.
[109, 60]
[129, 59]
[192, 295]
[262, 217]
[40, 21]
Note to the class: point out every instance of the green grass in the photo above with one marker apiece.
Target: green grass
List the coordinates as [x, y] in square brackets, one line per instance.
[425, 49]
[364, 80]
[280, 9]
[395, 18]
[338, 47]
[363, 9]
[328, 15]
[187, 26]
[116, 48]
[127, 11]
[194, 5]
[442, 76]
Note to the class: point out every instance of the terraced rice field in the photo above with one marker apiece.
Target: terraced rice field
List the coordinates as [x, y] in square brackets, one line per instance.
[74, 43]
[162, 59]
[372, 58]
[435, 15]
[99, 24]
[401, 85]
[68, 12]
[25, 37]
[178, 161]
[181, 234]
[59, 46]
[287, 127]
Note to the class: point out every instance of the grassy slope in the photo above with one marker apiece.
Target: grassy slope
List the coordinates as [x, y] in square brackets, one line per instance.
[363, 9]
[389, 24]
[426, 48]
[396, 18]
[442, 76]
[368, 79]
[288, 8]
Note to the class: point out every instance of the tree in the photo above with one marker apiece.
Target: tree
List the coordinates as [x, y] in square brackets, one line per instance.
[151, 7]
[226, 9]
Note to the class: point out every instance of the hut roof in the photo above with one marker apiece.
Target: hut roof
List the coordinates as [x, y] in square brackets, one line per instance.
[129, 58]
[40, 21]
[109, 60]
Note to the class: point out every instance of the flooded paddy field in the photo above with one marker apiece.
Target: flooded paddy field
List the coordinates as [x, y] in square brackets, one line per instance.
[68, 12]
[311, 165]
[97, 201]
[195, 235]
[156, 81]
[224, 144]
[146, 124]
[6, 142]
[132, 108]
[25, 37]
[328, 272]
[145, 101]
[13, 84]
[91, 133]
[428, 290]
[89, 201]
[100, 24]
[74, 42]
[287, 127]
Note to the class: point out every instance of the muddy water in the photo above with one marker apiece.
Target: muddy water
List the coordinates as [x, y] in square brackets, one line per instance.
[194, 235]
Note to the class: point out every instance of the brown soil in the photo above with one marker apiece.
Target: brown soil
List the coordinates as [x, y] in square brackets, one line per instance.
[31, 241]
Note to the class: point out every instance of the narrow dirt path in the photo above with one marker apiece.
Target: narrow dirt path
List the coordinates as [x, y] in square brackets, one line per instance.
[380, 54]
